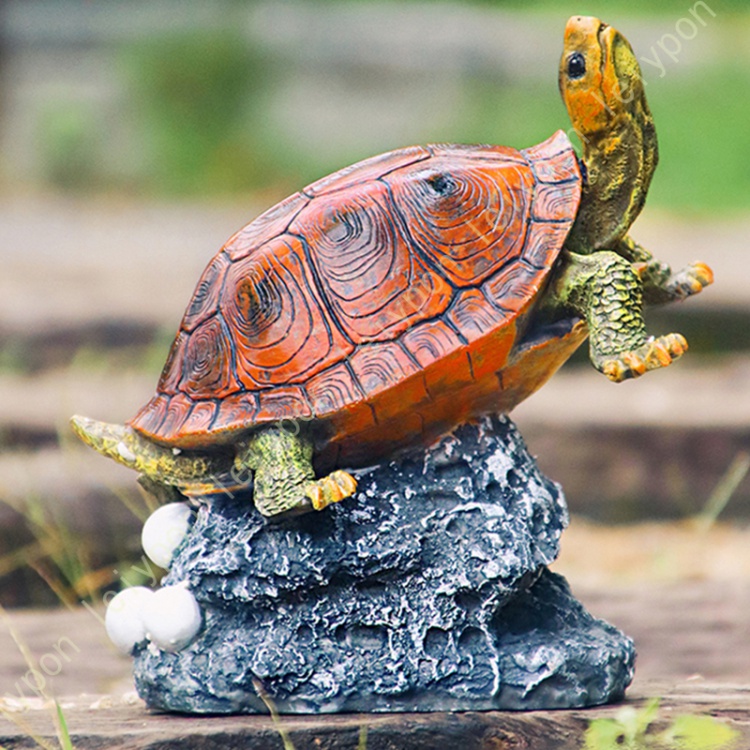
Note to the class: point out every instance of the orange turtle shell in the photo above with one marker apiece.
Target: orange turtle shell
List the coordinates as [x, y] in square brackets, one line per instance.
[384, 303]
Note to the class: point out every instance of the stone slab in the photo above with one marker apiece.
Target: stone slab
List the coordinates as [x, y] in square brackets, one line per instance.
[427, 591]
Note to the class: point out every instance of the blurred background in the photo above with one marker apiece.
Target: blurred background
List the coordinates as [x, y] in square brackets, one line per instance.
[138, 135]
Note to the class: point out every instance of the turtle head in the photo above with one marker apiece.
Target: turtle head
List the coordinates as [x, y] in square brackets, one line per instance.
[600, 79]
[603, 90]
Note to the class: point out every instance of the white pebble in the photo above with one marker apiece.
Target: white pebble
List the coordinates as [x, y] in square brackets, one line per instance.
[124, 618]
[172, 618]
[163, 531]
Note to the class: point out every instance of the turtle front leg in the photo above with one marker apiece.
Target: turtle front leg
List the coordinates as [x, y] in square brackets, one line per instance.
[284, 481]
[660, 283]
[606, 291]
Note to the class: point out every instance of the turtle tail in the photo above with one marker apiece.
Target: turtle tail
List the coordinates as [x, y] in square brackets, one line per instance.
[192, 473]
[116, 441]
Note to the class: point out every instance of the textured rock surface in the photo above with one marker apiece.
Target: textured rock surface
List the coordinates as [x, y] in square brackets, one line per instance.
[428, 591]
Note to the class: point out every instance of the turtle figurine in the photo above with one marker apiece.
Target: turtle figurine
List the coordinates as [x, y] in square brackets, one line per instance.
[384, 304]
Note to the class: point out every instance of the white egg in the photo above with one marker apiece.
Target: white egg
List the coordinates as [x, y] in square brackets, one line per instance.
[124, 618]
[163, 531]
[172, 618]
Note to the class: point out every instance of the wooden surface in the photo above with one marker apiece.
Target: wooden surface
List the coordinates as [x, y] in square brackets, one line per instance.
[109, 723]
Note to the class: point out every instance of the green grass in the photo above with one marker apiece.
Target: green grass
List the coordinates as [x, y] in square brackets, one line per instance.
[632, 729]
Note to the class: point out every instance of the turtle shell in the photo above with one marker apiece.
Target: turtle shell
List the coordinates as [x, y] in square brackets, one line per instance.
[386, 302]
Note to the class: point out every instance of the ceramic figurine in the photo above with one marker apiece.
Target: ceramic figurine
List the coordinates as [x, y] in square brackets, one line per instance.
[384, 304]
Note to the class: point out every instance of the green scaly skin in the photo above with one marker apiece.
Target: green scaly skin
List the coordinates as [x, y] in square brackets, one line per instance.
[282, 463]
[606, 290]
[604, 276]
[192, 473]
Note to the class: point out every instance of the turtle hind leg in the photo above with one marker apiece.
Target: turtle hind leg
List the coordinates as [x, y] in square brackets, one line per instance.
[284, 479]
[607, 292]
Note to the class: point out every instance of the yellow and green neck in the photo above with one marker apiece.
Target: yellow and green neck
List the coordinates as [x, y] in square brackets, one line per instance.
[602, 87]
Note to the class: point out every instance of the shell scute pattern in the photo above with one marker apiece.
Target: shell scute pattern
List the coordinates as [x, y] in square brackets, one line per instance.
[283, 403]
[233, 412]
[552, 169]
[333, 389]
[379, 369]
[205, 300]
[201, 416]
[553, 201]
[277, 319]
[483, 152]
[431, 342]
[540, 237]
[269, 224]
[209, 361]
[465, 215]
[441, 354]
[372, 168]
[384, 287]
[368, 272]
[512, 288]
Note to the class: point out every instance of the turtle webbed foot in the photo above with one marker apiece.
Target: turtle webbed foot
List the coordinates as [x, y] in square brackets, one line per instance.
[334, 488]
[656, 352]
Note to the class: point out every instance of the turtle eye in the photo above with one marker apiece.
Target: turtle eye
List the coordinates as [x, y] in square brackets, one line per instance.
[576, 65]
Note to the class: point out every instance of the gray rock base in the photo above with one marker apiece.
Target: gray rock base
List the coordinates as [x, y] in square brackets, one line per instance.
[428, 591]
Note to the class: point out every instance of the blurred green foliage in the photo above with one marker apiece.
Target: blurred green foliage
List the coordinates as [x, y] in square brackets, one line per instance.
[67, 134]
[199, 103]
[194, 97]
[606, 9]
[703, 123]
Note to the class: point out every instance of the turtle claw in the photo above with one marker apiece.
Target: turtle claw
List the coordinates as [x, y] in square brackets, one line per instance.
[690, 280]
[334, 488]
[655, 353]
